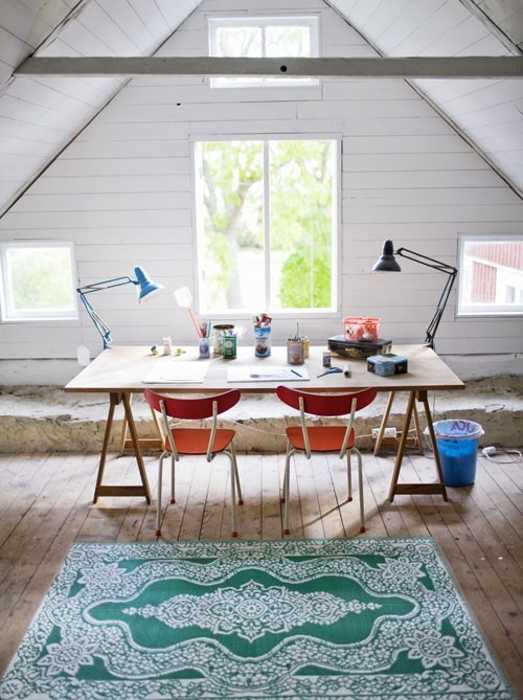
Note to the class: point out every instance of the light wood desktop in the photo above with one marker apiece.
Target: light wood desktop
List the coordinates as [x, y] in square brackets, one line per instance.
[121, 371]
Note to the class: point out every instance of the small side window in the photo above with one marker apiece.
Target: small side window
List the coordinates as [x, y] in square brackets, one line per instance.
[37, 281]
[491, 275]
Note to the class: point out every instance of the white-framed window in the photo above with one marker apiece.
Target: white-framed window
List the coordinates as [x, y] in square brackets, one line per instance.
[37, 281]
[263, 37]
[491, 275]
[267, 218]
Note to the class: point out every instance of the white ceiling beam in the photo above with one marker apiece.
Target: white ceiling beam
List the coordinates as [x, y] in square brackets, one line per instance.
[418, 67]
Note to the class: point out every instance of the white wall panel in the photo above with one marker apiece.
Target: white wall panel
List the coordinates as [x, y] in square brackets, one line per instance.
[123, 191]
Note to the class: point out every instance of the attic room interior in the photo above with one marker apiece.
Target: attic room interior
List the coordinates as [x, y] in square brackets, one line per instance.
[237, 458]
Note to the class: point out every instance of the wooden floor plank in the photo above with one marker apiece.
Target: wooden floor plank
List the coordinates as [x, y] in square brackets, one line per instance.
[47, 505]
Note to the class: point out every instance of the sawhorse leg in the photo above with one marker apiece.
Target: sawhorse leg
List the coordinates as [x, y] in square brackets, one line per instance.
[120, 490]
[418, 440]
[151, 443]
[416, 489]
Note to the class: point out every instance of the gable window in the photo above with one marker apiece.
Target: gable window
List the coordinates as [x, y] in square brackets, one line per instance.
[37, 281]
[267, 225]
[263, 37]
[491, 278]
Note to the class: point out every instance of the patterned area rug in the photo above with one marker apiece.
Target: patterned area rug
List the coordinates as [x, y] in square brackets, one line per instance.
[366, 618]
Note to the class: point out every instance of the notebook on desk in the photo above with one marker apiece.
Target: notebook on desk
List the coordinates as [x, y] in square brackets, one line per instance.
[177, 372]
[254, 373]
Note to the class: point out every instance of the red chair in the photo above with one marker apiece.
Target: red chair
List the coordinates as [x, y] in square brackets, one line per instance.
[196, 441]
[332, 438]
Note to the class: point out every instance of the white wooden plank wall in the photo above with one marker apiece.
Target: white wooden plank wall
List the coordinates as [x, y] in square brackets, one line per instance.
[490, 112]
[123, 193]
[38, 116]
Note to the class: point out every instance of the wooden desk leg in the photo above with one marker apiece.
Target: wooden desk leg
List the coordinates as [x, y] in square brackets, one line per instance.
[384, 420]
[419, 435]
[155, 443]
[136, 446]
[125, 430]
[422, 396]
[114, 401]
[401, 446]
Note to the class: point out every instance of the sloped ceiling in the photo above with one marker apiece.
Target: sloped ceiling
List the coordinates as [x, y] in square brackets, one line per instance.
[39, 116]
[488, 112]
[507, 15]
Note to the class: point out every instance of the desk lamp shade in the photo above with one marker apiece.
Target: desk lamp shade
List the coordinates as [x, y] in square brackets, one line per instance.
[146, 287]
[387, 262]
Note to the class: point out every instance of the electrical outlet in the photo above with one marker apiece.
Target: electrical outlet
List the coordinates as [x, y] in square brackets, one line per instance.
[389, 433]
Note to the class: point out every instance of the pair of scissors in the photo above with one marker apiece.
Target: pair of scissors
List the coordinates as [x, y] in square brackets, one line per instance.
[331, 370]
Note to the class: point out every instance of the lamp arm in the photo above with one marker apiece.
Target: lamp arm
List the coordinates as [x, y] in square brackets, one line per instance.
[425, 260]
[106, 284]
[440, 309]
[97, 320]
[440, 266]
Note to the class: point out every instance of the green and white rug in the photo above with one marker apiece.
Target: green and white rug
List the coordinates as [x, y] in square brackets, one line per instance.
[365, 618]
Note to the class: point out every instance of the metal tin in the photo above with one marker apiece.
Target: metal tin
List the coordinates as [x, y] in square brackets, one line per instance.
[306, 347]
[229, 347]
[262, 341]
[295, 351]
[204, 348]
[326, 359]
[217, 337]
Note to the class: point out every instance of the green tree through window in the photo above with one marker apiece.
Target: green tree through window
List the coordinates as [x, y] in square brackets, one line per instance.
[292, 182]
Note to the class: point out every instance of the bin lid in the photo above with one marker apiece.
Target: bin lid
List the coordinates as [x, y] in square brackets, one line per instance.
[458, 429]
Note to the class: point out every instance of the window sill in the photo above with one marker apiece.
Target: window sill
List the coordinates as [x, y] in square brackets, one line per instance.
[41, 321]
[490, 314]
[277, 316]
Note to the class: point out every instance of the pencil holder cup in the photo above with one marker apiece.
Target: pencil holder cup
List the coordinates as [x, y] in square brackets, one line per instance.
[295, 351]
[262, 341]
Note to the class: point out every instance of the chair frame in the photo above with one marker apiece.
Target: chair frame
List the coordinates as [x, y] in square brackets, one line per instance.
[344, 452]
[210, 455]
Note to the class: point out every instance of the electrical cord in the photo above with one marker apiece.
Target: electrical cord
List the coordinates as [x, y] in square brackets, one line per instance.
[492, 453]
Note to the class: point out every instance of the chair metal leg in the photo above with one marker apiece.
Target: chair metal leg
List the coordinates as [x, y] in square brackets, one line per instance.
[236, 475]
[360, 486]
[234, 531]
[173, 470]
[159, 500]
[349, 476]
[286, 490]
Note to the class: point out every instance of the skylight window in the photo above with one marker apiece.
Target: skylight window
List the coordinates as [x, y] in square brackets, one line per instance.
[263, 37]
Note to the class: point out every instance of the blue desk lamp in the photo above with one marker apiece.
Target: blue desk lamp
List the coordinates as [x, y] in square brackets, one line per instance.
[146, 288]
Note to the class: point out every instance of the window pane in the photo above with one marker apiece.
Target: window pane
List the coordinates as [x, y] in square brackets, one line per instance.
[491, 275]
[302, 217]
[39, 281]
[231, 226]
[289, 41]
[239, 41]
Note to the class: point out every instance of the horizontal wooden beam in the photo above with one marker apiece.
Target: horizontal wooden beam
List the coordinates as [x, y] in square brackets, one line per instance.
[422, 67]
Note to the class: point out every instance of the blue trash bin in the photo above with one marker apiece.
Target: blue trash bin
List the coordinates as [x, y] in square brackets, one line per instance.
[458, 442]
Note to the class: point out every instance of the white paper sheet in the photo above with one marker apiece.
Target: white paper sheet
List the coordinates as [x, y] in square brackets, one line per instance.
[272, 373]
[177, 372]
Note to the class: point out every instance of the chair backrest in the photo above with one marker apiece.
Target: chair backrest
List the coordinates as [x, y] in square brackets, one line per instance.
[192, 409]
[326, 404]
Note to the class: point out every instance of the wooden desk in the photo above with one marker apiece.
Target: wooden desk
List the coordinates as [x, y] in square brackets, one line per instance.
[120, 372]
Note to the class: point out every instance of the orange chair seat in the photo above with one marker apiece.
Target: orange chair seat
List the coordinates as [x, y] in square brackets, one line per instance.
[194, 441]
[327, 438]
